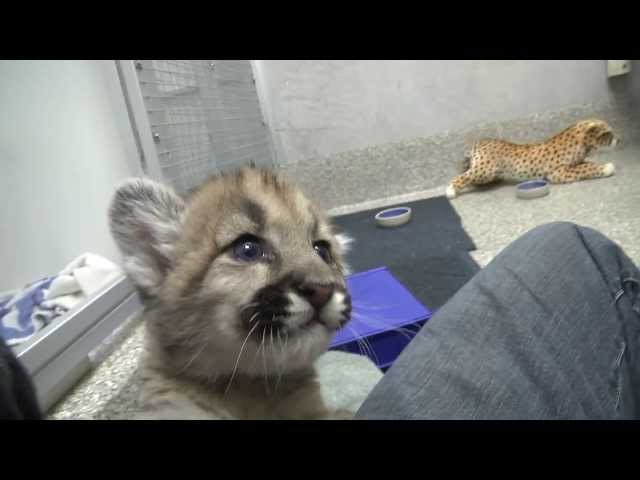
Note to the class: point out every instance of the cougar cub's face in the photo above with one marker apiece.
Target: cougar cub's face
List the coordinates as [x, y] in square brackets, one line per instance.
[246, 275]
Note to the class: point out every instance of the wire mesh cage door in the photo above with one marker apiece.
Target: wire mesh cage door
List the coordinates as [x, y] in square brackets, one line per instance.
[200, 116]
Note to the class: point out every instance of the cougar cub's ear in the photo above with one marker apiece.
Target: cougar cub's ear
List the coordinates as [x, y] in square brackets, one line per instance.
[344, 241]
[145, 221]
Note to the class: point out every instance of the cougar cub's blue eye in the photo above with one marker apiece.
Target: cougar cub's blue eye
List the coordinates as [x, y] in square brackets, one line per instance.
[248, 248]
[323, 249]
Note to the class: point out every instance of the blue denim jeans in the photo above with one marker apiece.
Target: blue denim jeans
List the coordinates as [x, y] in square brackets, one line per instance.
[548, 330]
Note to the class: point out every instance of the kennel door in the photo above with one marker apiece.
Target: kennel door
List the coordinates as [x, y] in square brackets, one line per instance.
[195, 118]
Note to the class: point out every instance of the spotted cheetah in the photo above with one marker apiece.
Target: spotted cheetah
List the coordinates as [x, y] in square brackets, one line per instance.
[561, 159]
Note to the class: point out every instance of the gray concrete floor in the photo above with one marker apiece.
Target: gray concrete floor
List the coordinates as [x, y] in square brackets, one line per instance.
[493, 217]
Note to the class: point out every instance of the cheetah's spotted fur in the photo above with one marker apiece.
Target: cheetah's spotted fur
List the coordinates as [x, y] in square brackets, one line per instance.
[561, 159]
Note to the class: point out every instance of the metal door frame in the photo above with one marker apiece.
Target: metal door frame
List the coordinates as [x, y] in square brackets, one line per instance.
[142, 128]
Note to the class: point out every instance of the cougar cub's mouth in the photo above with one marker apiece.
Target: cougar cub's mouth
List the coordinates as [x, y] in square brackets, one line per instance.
[282, 310]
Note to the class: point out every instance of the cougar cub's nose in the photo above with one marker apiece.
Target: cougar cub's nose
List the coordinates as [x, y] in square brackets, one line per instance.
[316, 294]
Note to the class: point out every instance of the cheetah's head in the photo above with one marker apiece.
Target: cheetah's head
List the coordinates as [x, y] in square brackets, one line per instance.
[597, 134]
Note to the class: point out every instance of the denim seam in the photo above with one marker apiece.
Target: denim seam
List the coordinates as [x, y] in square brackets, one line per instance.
[619, 375]
[635, 300]
[603, 275]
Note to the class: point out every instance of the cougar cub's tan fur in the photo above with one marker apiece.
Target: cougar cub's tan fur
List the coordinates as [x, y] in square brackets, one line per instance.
[243, 287]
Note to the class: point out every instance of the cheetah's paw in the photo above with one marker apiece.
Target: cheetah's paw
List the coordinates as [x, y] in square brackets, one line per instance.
[608, 169]
[451, 192]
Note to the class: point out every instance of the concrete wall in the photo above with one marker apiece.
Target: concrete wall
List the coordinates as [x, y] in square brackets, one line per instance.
[320, 108]
[65, 142]
[354, 131]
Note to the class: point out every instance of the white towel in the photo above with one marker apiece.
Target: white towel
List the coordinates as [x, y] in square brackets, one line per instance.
[83, 277]
[29, 310]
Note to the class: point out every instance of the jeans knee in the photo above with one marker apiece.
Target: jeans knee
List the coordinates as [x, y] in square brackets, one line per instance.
[564, 239]
[562, 232]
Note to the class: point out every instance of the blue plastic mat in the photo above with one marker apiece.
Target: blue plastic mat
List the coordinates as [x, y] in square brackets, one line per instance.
[385, 317]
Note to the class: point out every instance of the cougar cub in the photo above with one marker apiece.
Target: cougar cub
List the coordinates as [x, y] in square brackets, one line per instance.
[243, 287]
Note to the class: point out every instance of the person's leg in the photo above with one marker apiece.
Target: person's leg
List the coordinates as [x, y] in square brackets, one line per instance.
[548, 330]
[17, 395]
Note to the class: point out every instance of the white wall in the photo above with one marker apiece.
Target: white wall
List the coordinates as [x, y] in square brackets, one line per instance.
[65, 142]
[322, 107]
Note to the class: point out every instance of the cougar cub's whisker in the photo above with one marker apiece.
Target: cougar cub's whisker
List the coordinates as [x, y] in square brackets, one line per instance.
[235, 367]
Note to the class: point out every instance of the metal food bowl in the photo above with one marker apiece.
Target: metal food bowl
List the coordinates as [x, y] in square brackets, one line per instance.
[393, 217]
[532, 189]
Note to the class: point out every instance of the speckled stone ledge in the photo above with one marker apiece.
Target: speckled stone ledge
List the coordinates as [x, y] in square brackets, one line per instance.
[387, 201]
[420, 164]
